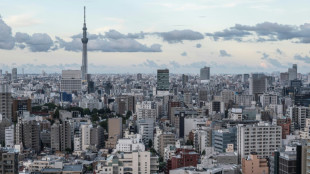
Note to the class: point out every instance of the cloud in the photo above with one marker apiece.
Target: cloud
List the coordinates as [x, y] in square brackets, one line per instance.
[265, 31]
[279, 51]
[22, 20]
[38, 42]
[305, 59]
[273, 62]
[7, 41]
[184, 54]
[178, 36]
[198, 45]
[223, 53]
[109, 45]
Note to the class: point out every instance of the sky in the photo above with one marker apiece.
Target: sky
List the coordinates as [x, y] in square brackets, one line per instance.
[141, 36]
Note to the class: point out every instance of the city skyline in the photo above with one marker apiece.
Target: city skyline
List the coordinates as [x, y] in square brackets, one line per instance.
[143, 36]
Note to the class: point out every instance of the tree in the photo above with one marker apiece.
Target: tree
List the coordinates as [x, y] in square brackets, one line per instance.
[150, 144]
[56, 114]
[86, 111]
[104, 124]
[95, 111]
[203, 152]
[68, 150]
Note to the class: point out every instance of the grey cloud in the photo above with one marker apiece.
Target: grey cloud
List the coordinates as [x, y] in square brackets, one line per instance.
[265, 31]
[38, 42]
[305, 59]
[177, 36]
[7, 41]
[198, 45]
[184, 54]
[272, 61]
[279, 51]
[223, 53]
[109, 45]
[22, 37]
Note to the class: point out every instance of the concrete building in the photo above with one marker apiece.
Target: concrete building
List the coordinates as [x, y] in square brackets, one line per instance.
[165, 139]
[31, 135]
[20, 105]
[14, 74]
[163, 84]
[8, 161]
[262, 138]
[227, 96]
[268, 99]
[222, 138]
[146, 129]
[253, 164]
[205, 74]
[258, 84]
[298, 115]
[9, 137]
[61, 136]
[5, 101]
[146, 109]
[71, 81]
[4, 123]
[115, 127]
[130, 144]
[292, 73]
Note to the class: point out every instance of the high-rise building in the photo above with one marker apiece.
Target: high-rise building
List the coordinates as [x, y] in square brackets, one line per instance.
[221, 138]
[31, 135]
[4, 122]
[165, 139]
[14, 74]
[71, 81]
[145, 128]
[139, 76]
[262, 138]
[9, 137]
[258, 84]
[61, 136]
[163, 83]
[19, 106]
[5, 101]
[292, 72]
[205, 74]
[84, 67]
[184, 79]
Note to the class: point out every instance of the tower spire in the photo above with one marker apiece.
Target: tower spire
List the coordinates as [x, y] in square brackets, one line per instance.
[84, 15]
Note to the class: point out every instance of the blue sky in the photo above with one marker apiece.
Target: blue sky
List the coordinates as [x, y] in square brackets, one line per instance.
[231, 36]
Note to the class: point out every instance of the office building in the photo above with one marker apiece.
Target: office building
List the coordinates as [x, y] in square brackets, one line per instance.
[4, 122]
[145, 128]
[165, 139]
[292, 73]
[31, 135]
[20, 105]
[163, 84]
[258, 84]
[9, 137]
[14, 74]
[71, 81]
[115, 127]
[139, 76]
[262, 138]
[5, 101]
[222, 138]
[61, 136]
[204, 74]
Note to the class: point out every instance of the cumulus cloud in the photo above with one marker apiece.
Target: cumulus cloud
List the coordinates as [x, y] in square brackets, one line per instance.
[265, 31]
[109, 45]
[198, 45]
[305, 59]
[7, 41]
[184, 54]
[273, 62]
[223, 53]
[177, 36]
[38, 42]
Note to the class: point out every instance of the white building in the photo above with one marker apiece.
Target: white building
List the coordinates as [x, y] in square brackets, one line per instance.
[130, 144]
[236, 114]
[85, 137]
[268, 99]
[9, 137]
[71, 81]
[262, 138]
[158, 132]
[146, 129]
[146, 109]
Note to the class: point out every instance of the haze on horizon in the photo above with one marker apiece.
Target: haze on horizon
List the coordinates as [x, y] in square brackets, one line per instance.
[141, 36]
